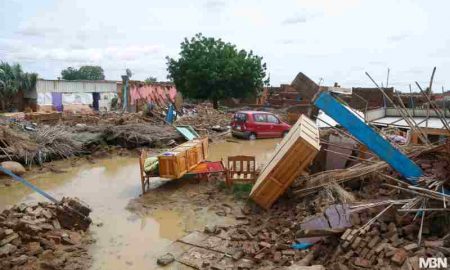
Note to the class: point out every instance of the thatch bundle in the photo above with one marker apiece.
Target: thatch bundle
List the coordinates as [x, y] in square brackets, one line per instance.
[56, 141]
[39, 146]
[131, 135]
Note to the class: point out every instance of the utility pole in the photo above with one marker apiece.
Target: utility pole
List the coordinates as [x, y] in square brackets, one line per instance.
[125, 80]
[387, 79]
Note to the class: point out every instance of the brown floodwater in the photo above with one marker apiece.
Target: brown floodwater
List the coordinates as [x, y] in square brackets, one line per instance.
[124, 239]
[261, 149]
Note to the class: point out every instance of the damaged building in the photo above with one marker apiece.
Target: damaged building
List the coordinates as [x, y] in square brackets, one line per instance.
[76, 96]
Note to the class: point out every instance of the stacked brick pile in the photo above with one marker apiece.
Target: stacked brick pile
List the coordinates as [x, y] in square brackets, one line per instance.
[440, 169]
[390, 243]
[48, 235]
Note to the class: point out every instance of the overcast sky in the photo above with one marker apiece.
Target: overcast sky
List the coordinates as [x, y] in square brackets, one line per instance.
[329, 39]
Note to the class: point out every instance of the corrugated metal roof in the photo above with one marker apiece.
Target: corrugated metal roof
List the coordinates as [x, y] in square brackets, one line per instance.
[62, 86]
[433, 122]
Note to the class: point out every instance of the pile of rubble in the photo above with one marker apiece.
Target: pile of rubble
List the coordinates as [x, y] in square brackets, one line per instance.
[205, 119]
[107, 118]
[372, 220]
[77, 134]
[126, 135]
[391, 242]
[45, 236]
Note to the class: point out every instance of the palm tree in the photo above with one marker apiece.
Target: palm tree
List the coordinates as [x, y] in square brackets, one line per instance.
[2, 82]
[13, 79]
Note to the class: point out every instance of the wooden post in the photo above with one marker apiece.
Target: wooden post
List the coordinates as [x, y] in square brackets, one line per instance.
[407, 120]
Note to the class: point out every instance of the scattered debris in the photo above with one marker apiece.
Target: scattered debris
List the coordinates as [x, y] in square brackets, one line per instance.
[205, 119]
[165, 259]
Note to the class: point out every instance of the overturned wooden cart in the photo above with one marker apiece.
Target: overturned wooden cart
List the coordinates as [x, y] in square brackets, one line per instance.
[292, 156]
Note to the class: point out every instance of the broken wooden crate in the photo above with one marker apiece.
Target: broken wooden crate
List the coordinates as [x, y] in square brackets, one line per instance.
[178, 161]
[293, 155]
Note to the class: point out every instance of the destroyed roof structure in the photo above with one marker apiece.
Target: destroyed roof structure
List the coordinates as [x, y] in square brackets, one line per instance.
[364, 98]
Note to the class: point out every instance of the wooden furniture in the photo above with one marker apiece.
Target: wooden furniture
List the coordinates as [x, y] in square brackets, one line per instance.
[179, 160]
[240, 169]
[203, 170]
[145, 177]
[292, 156]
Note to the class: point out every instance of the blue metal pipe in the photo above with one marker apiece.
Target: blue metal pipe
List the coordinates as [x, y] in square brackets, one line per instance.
[28, 184]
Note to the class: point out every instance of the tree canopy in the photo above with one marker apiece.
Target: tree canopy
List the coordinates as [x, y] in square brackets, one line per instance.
[150, 79]
[210, 68]
[83, 73]
[13, 79]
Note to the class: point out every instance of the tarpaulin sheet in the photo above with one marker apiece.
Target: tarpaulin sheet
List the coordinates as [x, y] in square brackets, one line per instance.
[158, 94]
[44, 98]
[57, 101]
[77, 98]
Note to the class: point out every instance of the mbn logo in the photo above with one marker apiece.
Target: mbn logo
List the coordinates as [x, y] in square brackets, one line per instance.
[433, 263]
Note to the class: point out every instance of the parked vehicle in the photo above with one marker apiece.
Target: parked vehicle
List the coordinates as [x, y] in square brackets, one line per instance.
[256, 124]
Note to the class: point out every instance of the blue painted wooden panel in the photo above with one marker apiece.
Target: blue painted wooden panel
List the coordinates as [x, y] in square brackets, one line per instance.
[366, 135]
[188, 132]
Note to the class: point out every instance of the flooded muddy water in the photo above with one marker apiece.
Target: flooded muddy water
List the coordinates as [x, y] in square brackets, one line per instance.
[124, 238]
[261, 149]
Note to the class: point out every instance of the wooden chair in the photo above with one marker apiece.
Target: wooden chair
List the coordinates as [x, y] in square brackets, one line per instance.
[240, 169]
[145, 177]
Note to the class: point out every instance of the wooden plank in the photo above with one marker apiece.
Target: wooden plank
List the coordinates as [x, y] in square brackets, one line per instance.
[293, 155]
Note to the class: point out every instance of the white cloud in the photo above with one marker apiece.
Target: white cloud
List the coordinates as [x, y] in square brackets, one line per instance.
[252, 16]
[215, 5]
[87, 55]
[330, 7]
[398, 37]
[295, 19]
[33, 30]
[335, 40]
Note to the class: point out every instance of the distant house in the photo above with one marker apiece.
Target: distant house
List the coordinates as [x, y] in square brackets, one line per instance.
[62, 95]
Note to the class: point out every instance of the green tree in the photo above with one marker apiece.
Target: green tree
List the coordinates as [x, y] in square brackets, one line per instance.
[12, 80]
[83, 73]
[209, 68]
[150, 80]
[70, 73]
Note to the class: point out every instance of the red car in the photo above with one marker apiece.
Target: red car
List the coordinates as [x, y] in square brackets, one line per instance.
[256, 124]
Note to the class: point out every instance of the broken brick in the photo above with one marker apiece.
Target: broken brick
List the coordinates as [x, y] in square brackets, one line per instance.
[434, 244]
[373, 242]
[356, 242]
[361, 262]
[399, 256]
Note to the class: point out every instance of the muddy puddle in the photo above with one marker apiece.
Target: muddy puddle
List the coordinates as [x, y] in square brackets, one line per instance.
[261, 149]
[124, 238]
